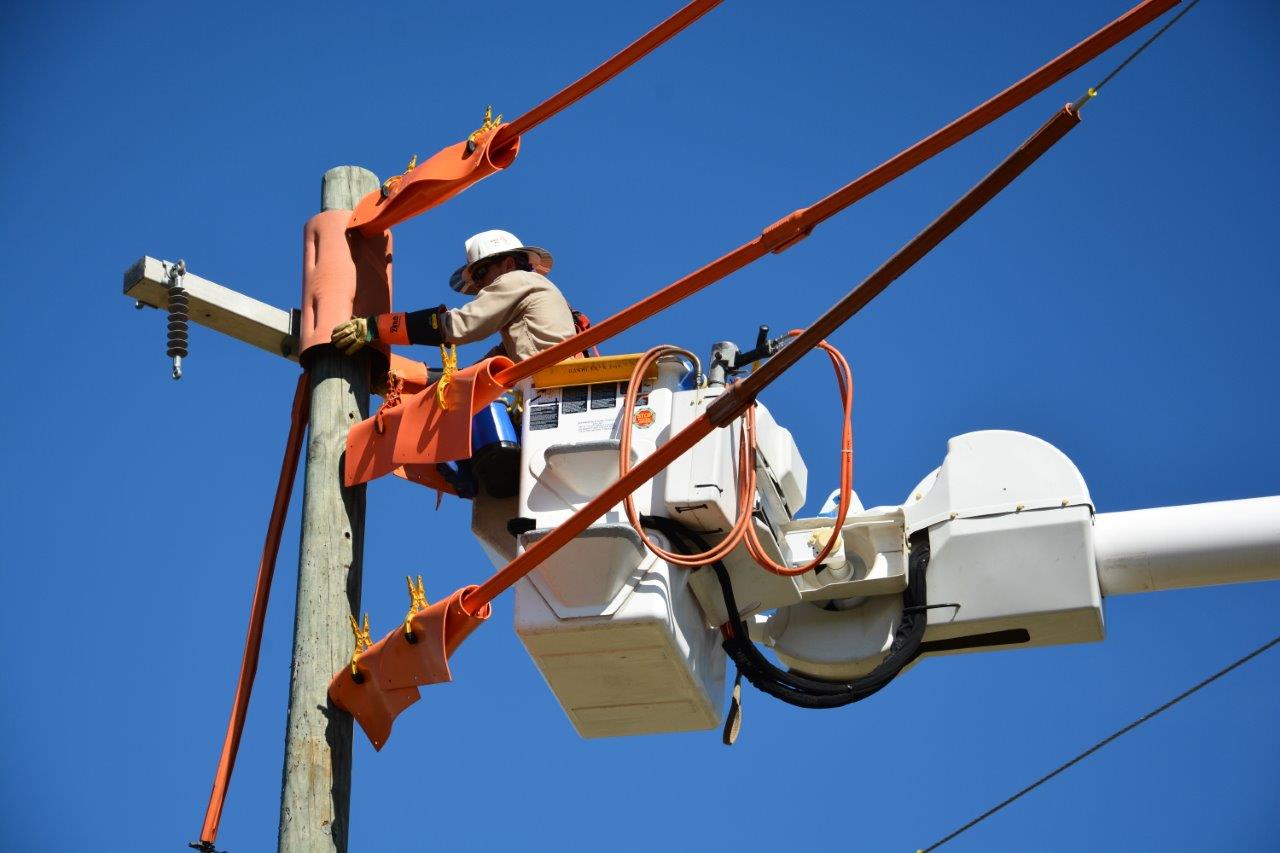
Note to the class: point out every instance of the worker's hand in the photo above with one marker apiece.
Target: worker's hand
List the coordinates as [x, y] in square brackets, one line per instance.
[353, 334]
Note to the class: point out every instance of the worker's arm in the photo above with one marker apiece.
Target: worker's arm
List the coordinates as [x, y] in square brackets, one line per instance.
[491, 310]
[414, 327]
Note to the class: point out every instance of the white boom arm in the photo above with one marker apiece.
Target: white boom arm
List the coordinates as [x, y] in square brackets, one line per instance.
[1187, 546]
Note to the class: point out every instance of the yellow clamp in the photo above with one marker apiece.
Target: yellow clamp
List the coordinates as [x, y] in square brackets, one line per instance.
[390, 183]
[417, 601]
[363, 641]
[449, 366]
[489, 124]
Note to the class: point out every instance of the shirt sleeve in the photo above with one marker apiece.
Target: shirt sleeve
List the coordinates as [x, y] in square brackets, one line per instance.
[488, 313]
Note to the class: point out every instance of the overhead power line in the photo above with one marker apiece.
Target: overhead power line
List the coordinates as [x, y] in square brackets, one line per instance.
[1100, 744]
[1094, 90]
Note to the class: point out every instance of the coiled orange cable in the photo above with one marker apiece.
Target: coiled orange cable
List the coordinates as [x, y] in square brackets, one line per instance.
[743, 529]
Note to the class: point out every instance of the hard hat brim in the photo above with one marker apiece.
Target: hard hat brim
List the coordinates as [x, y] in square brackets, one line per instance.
[539, 258]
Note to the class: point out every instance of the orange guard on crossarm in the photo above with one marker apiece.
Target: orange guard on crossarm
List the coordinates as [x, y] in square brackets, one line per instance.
[392, 669]
[419, 432]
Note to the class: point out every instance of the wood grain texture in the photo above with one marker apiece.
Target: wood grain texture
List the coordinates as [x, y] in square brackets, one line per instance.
[316, 792]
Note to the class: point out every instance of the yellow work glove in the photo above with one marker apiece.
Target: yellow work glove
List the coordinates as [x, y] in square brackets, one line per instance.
[353, 334]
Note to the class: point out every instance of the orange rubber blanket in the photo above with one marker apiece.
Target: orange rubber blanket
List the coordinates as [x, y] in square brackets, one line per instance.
[392, 669]
[419, 432]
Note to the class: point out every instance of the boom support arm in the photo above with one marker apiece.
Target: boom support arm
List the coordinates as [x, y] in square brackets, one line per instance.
[1187, 546]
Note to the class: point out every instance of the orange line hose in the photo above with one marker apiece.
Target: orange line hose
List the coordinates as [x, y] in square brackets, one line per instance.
[790, 229]
[614, 66]
[258, 611]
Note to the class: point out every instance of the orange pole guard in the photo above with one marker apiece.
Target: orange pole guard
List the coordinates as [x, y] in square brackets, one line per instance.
[392, 669]
[791, 229]
[258, 610]
[460, 166]
[343, 276]
[740, 396]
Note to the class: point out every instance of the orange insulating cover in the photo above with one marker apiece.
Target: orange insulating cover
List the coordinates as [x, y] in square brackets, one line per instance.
[437, 180]
[419, 431]
[343, 276]
[412, 373]
[393, 669]
[425, 475]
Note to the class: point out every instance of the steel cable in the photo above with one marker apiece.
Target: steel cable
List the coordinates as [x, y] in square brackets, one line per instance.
[1100, 744]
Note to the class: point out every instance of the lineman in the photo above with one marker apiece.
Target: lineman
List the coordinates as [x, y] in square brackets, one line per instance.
[511, 296]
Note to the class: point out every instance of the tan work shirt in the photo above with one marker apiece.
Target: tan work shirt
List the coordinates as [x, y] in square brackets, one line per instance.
[527, 308]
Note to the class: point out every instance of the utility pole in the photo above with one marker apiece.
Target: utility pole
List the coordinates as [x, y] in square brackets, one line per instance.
[316, 792]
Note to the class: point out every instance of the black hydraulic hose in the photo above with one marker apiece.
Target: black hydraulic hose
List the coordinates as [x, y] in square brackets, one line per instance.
[793, 688]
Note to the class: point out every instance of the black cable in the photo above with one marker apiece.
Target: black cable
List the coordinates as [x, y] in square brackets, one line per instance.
[1145, 45]
[1092, 91]
[794, 688]
[1100, 744]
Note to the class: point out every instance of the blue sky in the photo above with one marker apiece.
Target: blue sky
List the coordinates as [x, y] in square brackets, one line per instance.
[1118, 301]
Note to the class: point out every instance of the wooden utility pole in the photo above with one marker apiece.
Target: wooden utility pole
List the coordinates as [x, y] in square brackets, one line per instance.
[315, 797]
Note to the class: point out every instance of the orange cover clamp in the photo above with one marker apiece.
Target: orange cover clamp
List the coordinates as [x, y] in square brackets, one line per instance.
[420, 431]
[393, 669]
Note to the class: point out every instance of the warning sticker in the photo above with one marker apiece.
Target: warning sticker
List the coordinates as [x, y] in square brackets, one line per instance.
[644, 417]
[546, 395]
[595, 425]
[604, 395]
[546, 416]
[574, 399]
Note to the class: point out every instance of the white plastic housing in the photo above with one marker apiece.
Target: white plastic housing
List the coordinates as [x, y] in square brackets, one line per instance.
[616, 632]
[1010, 530]
[645, 663]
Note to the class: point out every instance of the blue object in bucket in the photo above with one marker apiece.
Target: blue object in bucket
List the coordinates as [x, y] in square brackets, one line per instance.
[490, 426]
[491, 433]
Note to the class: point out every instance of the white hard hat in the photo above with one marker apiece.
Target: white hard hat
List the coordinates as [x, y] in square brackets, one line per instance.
[488, 244]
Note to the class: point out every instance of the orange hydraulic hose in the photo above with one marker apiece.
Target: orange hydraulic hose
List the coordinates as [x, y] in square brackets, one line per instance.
[845, 378]
[575, 91]
[743, 528]
[795, 227]
[737, 399]
[746, 492]
[258, 611]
